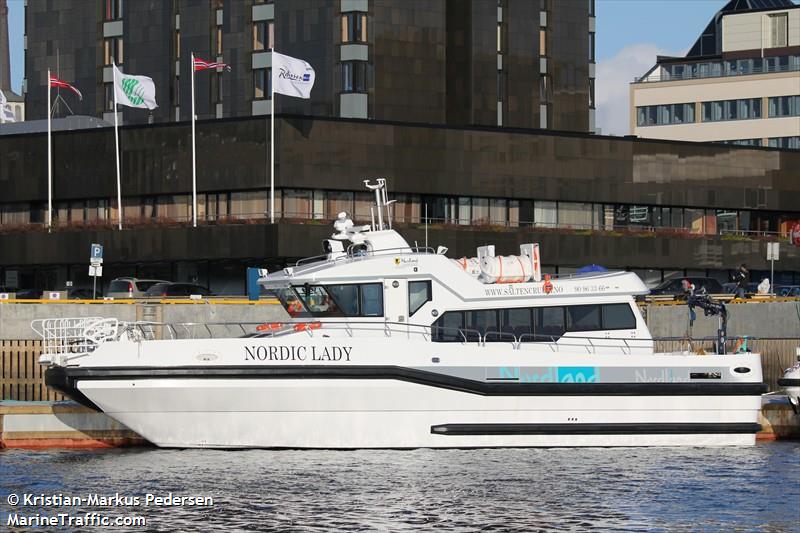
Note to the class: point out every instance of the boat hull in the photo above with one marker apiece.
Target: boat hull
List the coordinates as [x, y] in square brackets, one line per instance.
[377, 411]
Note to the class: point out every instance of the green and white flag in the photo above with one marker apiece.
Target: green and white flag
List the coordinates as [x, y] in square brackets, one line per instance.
[134, 91]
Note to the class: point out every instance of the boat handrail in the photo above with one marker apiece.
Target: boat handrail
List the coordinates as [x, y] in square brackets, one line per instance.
[352, 254]
[147, 331]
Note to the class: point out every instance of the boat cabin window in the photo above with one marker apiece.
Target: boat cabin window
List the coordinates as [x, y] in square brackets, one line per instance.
[371, 299]
[618, 316]
[548, 324]
[419, 293]
[350, 300]
[538, 324]
[583, 318]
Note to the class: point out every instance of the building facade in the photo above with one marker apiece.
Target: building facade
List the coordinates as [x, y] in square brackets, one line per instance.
[456, 62]
[659, 208]
[738, 84]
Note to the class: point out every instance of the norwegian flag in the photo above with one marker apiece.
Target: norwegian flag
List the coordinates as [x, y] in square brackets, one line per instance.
[55, 82]
[199, 64]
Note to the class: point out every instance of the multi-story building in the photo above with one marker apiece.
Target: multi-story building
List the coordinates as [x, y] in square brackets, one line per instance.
[739, 83]
[445, 98]
[470, 62]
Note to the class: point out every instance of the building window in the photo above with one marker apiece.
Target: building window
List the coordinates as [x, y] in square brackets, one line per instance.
[542, 42]
[591, 93]
[499, 37]
[112, 50]
[177, 44]
[660, 115]
[544, 87]
[218, 40]
[263, 35]
[742, 142]
[731, 110]
[778, 28]
[591, 8]
[784, 106]
[113, 9]
[108, 92]
[591, 47]
[354, 77]
[354, 27]
[790, 143]
[262, 83]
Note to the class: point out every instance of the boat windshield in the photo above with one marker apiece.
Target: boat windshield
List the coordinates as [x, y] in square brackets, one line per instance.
[318, 301]
[292, 303]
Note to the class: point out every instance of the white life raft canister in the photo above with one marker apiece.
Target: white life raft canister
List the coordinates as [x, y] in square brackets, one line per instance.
[506, 269]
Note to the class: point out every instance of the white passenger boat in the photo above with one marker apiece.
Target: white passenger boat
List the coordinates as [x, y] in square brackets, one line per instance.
[394, 346]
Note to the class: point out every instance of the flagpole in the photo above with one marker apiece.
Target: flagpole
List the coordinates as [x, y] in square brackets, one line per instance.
[272, 148]
[194, 157]
[116, 146]
[49, 160]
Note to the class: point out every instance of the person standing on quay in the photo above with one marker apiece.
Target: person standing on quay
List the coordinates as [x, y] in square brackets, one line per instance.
[742, 277]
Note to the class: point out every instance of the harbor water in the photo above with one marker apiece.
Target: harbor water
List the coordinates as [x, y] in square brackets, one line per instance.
[603, 489]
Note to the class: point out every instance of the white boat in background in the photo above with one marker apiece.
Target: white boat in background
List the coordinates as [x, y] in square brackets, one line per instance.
[394, 346]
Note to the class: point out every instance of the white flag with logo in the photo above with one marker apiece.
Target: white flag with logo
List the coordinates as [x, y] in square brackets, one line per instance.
[291, 76]
[6, 113]
[134, 91]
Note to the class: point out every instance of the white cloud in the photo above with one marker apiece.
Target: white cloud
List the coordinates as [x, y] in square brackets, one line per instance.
[614, 76]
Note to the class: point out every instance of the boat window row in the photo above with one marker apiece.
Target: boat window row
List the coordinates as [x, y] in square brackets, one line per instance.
[537, 324]
[343, 300]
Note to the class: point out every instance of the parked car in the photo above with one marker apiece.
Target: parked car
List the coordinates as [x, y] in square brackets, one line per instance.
[82, 294]
[23, 294]
[787, 290]
[172, 290]
[131, 287]
[674, 286]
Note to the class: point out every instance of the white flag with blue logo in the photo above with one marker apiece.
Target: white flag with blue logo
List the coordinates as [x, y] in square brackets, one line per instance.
[291, 76]
[134, 91]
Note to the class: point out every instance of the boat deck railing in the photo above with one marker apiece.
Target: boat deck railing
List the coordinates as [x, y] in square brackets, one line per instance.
[355, 252]
[69, 338]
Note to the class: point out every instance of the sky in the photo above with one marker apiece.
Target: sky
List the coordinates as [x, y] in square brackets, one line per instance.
[630, 33]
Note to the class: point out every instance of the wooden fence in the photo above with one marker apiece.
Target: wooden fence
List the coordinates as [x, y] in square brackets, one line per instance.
[22, 377]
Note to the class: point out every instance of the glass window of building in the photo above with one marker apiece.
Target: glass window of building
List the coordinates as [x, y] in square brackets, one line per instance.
[113, 9]
[108, 96]
[591, 93]
[591, 47]
[354, 76]
[262, 83]
[263, 35]
[354, 27]
[778, 29]
[542, 42]
[791, 143]
[112, 50]
[784, 106]
[545, 214]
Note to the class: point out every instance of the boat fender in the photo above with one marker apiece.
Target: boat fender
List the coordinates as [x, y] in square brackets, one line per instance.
[269, 326]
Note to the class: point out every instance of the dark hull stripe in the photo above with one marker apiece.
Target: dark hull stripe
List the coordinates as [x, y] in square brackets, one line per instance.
[65, 380]
[789, 382]
[595, 429]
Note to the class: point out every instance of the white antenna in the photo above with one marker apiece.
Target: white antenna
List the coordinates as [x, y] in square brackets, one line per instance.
[380, 198]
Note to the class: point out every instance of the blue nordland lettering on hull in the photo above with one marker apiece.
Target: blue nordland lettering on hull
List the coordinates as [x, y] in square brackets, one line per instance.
[553, 374]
